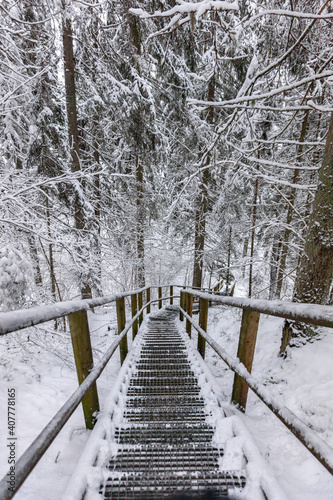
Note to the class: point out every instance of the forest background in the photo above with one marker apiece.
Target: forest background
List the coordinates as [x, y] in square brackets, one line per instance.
[146, 142]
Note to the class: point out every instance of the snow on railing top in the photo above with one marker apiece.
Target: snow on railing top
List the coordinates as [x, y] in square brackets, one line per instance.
[309, 313]
[23, 318]
[314, 314]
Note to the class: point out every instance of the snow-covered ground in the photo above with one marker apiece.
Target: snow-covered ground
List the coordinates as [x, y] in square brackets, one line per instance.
[303, 382]
[40, 367]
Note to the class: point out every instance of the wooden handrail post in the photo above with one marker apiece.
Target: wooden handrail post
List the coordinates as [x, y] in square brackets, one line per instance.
[134, 307]
[245, 353]
[160, 297]
[203, 317]
[189, 306]
[181, 303]
[79, 328]
[140, 304]
[121, 321]
[171, 295]
[148, 300]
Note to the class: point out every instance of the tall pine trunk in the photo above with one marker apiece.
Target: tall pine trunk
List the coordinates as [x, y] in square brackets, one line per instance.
[292, 198]
[79, 217]
[202, 206]
[140, 231]
[199, 231]
[253, 233]
[315, 272]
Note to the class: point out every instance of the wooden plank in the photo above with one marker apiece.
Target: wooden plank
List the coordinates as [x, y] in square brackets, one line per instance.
[134, 307]
[245, 353]
[80, 335]
[182, 305]
[121, 321]
[203, 317]
[140, 304]
[171, 295]
[189, 307]
[148, 300]
[160, 297]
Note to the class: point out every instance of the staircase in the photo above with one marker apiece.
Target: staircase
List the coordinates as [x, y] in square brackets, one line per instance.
[166, 434]
[165, 443]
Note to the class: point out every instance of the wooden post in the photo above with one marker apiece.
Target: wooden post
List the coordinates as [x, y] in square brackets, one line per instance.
[140, 304]
[245, 353]
[134, 306]
[181, 303]
[189, 306]
[148, 300]
[160, 297]
[203, 317]
[171, 295]
[121, 321]
[79, 328]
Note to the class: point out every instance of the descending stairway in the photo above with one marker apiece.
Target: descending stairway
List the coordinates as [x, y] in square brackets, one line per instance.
[165, 447]
[166, 433]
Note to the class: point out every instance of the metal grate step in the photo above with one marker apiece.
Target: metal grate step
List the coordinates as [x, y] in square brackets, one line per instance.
[166, 458]
[204, 486]
[164, 402]
[186, 381]
[166, 434]
[188, 414]
[163, 391]
[158, 366]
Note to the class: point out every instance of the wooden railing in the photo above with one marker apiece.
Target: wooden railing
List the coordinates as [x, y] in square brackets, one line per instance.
[140, 300]
[242, 366]
[76, 311]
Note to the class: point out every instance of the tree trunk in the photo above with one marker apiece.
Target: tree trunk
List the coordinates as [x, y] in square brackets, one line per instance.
[245, 248]
[274, 264]
[140, 233]
[315, 273]
[202, 206]
[199, 233]
[79, 218]
[229, 258]
[254, 219]
[35, 260]
[97, 191]
[292, 197]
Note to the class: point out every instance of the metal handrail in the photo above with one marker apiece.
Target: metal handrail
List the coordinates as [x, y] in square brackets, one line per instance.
[317, 446]
[36, 450]
[314, 314]
[17, 320]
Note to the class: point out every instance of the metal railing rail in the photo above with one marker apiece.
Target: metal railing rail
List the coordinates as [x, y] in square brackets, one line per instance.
[36, 450]
[17, 320]
[314, 314]
[318, 315]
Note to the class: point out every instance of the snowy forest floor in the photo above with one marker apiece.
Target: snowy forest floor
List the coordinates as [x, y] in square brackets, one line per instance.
[39, 365]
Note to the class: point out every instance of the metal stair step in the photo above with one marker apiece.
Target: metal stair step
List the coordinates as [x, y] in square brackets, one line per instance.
[198, 486]
[164, 435]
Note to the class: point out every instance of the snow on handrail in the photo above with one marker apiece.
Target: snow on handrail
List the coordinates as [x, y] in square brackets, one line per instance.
[23, 318]
[317, 446]
[36, 450]
[314, 314]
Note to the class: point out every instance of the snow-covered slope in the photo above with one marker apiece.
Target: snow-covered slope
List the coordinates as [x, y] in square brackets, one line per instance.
[303, 381]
